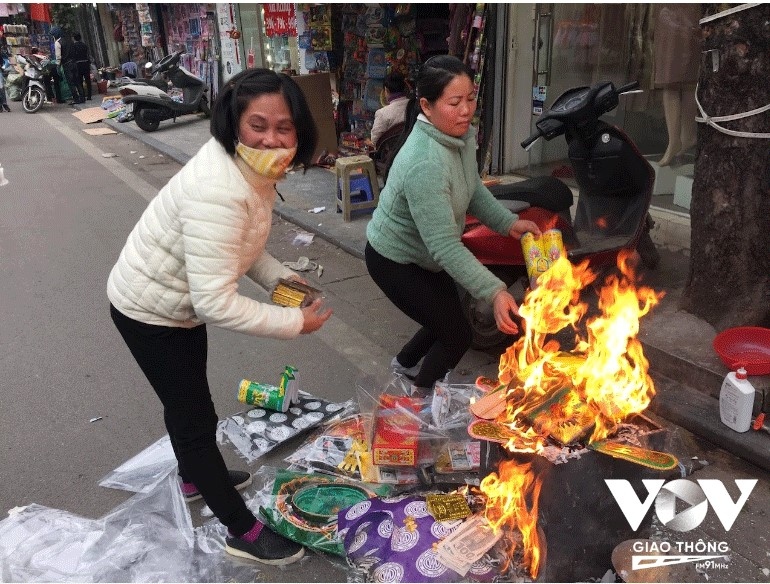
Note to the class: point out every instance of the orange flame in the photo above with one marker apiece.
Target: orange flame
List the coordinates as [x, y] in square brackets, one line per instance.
[512, 500]
[566, 394]
[606, 371]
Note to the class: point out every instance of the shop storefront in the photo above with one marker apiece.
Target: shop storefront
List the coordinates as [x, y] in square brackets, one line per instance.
[523, 56]
[26, 26]
[193, 29]
[281, 47]
[580, 44]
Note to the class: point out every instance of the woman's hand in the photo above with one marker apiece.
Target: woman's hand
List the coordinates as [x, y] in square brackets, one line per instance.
[503, 306]
[522, 226]
[314, 317]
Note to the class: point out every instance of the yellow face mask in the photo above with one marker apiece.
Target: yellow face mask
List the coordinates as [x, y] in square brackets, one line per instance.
[270, 163]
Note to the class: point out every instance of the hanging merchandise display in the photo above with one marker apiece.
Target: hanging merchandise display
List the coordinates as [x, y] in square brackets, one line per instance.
[17, 37]
[315, 36]
[132, 49]
[147, 31]
[379, 38]
[192, 28]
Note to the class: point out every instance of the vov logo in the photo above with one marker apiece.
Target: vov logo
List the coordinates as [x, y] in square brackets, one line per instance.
[665, 495]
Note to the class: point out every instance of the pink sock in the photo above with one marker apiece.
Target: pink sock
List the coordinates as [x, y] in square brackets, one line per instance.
[252, 534]
[188, 489]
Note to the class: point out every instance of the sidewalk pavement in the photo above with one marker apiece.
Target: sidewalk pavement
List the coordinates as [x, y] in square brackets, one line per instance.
[687, 372]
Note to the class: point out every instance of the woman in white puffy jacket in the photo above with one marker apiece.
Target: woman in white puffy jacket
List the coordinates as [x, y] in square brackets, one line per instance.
[179, 271]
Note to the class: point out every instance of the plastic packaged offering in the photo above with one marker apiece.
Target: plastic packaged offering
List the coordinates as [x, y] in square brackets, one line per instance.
[401, 432]
[304, 507]
[257, 431]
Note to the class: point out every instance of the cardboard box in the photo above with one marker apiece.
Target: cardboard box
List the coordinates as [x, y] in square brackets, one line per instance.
[395, 440]
[317, 89]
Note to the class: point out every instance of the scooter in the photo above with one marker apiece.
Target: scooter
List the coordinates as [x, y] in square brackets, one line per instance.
[33, 87]
[150, 110]
[615, 183]
[156, 85]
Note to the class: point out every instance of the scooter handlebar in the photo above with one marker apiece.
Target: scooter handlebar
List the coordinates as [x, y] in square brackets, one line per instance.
[527, 144]
[628, 87]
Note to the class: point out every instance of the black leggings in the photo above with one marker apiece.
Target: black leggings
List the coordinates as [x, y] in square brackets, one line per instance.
[174, 361]
[431, 300]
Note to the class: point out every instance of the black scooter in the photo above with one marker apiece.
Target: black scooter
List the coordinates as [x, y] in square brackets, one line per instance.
[150, 110]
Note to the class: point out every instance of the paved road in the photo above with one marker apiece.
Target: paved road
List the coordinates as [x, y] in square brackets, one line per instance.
[63, 220]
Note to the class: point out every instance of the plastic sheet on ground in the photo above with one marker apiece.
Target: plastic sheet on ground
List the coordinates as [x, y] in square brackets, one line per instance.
[144, 471]
[149, 538]
[251, 433]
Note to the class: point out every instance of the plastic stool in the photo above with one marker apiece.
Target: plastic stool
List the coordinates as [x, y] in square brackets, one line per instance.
[356, 175]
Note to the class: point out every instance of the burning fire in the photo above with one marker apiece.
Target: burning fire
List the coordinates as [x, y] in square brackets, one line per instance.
[512, 500]
[565, 395]
[601, 381]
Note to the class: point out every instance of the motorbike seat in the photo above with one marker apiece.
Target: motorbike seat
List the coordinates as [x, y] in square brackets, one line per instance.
[515, 206]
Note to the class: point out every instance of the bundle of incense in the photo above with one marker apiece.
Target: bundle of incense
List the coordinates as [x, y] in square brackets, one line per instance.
[292, 294]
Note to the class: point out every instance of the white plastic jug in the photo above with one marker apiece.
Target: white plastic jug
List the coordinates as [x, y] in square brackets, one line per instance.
[736, 401]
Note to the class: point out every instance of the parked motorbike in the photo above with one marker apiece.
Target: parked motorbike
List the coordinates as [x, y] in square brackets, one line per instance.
[150, 105]
[615, 184]
[33, 85]
[155, 85]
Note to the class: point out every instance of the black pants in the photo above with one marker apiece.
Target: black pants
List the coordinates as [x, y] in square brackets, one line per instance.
[83, 78]
[174, 361]
[431, 300]
[71, 73]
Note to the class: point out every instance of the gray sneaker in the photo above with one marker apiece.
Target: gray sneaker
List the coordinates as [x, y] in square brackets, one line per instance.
[269, 548]
[409, 372]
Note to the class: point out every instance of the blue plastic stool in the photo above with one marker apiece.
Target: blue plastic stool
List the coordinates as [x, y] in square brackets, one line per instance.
[357, 187]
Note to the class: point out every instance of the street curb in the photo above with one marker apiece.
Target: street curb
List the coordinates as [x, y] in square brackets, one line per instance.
[300, 219]
[142, 136]
[699, 413]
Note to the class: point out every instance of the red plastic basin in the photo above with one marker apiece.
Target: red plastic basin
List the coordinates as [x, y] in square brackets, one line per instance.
[746, 346]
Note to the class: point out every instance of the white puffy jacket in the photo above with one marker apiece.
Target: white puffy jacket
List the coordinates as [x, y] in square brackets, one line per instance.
[204, 230]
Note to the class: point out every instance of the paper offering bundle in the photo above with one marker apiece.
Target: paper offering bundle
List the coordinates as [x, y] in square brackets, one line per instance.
[294, 294]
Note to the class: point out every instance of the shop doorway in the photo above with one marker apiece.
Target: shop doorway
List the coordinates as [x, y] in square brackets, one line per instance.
[581, 44]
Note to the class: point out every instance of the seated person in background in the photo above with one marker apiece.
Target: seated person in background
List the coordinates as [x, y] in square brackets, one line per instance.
[130, 69]
[396, 94]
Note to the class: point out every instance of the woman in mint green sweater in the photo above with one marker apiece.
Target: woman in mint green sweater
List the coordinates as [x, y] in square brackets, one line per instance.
[414, 253]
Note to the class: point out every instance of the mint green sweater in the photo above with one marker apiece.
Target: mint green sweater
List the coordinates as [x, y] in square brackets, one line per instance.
[421, 214]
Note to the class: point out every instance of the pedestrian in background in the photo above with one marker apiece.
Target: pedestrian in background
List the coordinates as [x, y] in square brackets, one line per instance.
[83, 66]
[64, 55]
[3, 97]
[5, 52]
[395, 89]
[414, 252]
[179, 271]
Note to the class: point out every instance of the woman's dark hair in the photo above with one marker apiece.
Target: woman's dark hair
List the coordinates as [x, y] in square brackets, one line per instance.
[235, 96]
[395, 82]
[433, 77]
